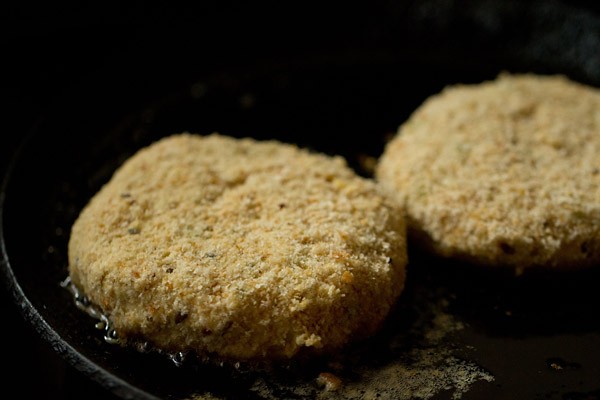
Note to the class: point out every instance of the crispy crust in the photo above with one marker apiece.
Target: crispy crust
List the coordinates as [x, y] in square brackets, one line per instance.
[239, 248]
[506, 172]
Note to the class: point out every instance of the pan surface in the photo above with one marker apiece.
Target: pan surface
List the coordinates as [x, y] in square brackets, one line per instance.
[533, 336]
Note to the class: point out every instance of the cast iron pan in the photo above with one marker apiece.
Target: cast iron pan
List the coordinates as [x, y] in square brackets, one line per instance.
[537, 335]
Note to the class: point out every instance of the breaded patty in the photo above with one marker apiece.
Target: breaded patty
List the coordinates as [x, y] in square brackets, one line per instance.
[239, 248]
[505, 172]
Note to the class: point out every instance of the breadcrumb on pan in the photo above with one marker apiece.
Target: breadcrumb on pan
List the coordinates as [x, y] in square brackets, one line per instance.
[239, 248]
[505, 172]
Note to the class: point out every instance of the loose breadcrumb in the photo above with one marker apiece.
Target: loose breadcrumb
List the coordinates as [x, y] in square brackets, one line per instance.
[329, 382]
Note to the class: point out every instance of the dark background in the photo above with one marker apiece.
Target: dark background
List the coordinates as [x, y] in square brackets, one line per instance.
[50, 51]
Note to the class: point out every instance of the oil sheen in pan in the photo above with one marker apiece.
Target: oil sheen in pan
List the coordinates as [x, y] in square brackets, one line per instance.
[105, 325]
[417, 359]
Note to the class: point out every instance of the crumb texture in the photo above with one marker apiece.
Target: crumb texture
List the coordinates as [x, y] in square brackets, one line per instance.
[239, 248]
[505, 172]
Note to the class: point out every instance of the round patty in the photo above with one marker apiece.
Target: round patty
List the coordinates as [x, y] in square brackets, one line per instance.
[505, 172]
[239, 248]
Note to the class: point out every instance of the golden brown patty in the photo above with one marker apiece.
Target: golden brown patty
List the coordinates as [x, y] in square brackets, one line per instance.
[503, 173]
[239, 248]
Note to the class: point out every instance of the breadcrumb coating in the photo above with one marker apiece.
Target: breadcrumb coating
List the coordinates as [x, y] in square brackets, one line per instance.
[238, 248]
[505, 172]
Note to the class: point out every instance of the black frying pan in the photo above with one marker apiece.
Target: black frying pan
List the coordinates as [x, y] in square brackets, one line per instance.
[338, 91]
